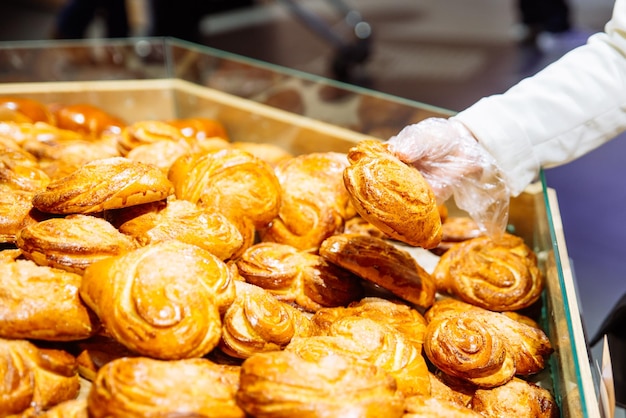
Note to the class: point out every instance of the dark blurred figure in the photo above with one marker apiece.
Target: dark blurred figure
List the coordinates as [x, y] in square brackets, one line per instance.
[181, 18]
[76, 15]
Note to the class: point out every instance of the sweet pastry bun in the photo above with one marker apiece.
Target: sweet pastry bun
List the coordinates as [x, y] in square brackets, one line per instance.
[392, 195]
[87, 119]
[31, 110]
[270, 153]
[420, 406]
[380, 262]
[516, 398]
[258, 322]
[499, 273]
[72, 243]
[109, 183]
[20, 170]
[294, 276]
[162, 300]
[16, 212]
[41, 303]
[137, 387]
[315, 202]
[199, 128]
[316, 382]
[186, 222]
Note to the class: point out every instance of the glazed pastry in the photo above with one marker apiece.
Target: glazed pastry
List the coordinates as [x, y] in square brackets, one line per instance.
[380, 262]
[399, 315]
[147, 132]
[41, 303]
[232, 182]
[392, 195]
[295, 276]
[34, 378]
[32, 110]
[315, 202]
[270, 153]
[420, 406]
[499, 273]
[72, 243]
[97, 351]
[187, 222]
[87, 119]
[20, 170]
[358, 225]
[451, 390]
[379, 344]
[137, 387]
[517, 398]
[99, 185]
[485, 348]
[161, 154]
[257, 322]
[16, 212]
[162, 300]
[38, 131]
[317, 383]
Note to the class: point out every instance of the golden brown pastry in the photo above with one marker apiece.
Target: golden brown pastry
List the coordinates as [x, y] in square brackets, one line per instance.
[109, 183]
[147, 132]
[380, 262]
[517, 398]
[161, 154]
[499, 273]
[483, 347]
[20, 170]
[34, 378]
[162, 300]
[87, 119]
[39, 131]
[378, 343]
[257, 322]
[315, 202]
[140, 387]
[399, 315]
[451, 389]
[358, 225]
[32, 110]
[186, 222]
[316, 383]
[295, 276]
[72, 243]
[420, 406]
[41, 303]
[392, 195]
[16, 212]
[232, 182]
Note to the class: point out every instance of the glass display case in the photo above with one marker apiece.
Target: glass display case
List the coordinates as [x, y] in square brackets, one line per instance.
[150, 78]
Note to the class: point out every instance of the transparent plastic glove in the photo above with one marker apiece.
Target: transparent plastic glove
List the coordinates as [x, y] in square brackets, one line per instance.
[455, 164]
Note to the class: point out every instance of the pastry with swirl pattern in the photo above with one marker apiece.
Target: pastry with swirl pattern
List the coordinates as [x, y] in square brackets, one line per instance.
[137, 387]
[162, 300]
[315, 382]
[499, 273]
[392, 195]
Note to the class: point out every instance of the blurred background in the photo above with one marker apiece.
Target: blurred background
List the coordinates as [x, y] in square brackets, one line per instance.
[446, 53]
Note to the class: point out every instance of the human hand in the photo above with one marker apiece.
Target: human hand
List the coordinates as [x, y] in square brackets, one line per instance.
[455, 164]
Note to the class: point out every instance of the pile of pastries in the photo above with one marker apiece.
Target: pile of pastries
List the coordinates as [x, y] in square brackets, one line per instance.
[159, 268]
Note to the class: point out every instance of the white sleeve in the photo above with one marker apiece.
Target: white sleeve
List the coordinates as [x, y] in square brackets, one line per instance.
[569, 108]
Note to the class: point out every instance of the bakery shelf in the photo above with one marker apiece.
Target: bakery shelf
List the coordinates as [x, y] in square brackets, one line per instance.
[165, 78]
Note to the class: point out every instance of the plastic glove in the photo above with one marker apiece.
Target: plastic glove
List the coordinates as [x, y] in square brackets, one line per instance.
[455, 164]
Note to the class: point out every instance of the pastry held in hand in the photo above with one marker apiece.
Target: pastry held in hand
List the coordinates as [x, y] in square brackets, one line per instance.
[314, 382]
[162, 300]
[380, 262]
[41, 303]
[392, 195]
[499, 273]
[137, 387]
[109, 183]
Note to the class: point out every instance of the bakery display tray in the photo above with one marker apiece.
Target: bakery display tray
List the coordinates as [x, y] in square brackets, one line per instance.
[534, 214]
